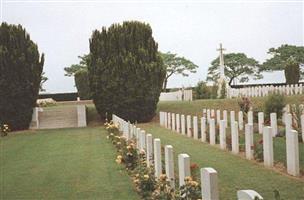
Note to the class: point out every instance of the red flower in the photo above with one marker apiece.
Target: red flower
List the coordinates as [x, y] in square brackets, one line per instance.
[193, 166]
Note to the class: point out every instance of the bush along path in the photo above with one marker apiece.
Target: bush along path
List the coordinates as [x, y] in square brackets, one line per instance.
[156, 178]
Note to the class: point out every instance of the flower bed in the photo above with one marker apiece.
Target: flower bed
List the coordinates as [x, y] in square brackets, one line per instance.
[143, 176]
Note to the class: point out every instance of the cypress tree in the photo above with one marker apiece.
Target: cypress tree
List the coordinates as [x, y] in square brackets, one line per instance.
[126, 72]
[20, 77]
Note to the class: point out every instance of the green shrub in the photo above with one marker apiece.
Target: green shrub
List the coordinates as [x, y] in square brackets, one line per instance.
[126, 72]
[223, 90]
[292, 71]
[82, 84]
[20, 76]
[202, 91]
[274, 104]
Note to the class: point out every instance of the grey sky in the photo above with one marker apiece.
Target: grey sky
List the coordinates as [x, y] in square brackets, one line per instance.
[192, 29]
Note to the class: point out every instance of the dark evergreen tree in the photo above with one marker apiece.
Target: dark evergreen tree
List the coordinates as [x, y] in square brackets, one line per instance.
[82, 84]
[126, 72]
[20, 76]
[292, 71]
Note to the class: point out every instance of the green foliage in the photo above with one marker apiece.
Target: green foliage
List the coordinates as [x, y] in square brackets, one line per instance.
[202, 91]
[214, 89]
[82, 84]
[223, 90]
[176, 65]
[237, 66]
[280, 56]
[43, 80]
[274, 103]
[292, 71]
[296, 111]
[83, 65]
[4, 129]
[126, 72]
[21, 69]
[258, 150]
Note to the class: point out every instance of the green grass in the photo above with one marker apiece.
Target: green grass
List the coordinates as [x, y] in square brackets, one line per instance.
[196, 107]
[61, 164]
[235, 172]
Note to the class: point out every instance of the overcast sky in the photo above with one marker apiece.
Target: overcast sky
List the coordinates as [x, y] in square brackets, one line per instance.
[192, 29]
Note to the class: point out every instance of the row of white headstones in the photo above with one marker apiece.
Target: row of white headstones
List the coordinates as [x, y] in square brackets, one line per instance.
[260, 91]
[177, 122]
[152, 147]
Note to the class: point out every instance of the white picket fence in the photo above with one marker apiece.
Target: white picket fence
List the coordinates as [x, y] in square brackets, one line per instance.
[261, 91]
[180, 95]
[152, 147]
[190, 127]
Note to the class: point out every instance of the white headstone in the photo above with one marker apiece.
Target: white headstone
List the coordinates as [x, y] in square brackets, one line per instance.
[268, 146]
[203, 129]
[241, 120]
[225, 117]
[250, 117]
[292, 153]
[149, 149]
[209, 184]
[195, 128]
[173, 121]
[273, 124]
[208, 115]
[218, 116]
[169, 162]
[223, 134]
[142, 139]
[183, 168]
[235, 138]
[183, 125]
[166, 119]
[212, 132]
[157, 158]
[178, 129]
[261, 122]
[189, 129]
[138, 138]
[169, 120]
[249, 141]
[248, 195]
[232, 117]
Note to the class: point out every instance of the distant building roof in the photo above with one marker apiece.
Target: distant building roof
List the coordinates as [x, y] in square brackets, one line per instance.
[268, 78]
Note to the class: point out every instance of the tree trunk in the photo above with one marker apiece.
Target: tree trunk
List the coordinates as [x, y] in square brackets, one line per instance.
[165, 84]
[230, 82]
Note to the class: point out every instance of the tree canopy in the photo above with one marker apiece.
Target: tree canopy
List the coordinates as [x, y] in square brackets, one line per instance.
[237, 66]
[126, 72]
[176, 65]
[82, 65]
[21, 67]
[279, 57]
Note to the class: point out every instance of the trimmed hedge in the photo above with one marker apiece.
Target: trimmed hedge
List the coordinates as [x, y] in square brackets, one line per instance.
[20, 76]
[126, 72]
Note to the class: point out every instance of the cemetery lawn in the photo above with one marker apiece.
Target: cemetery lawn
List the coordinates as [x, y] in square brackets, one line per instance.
[235, 172]
[62, 164]
[196, 107]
